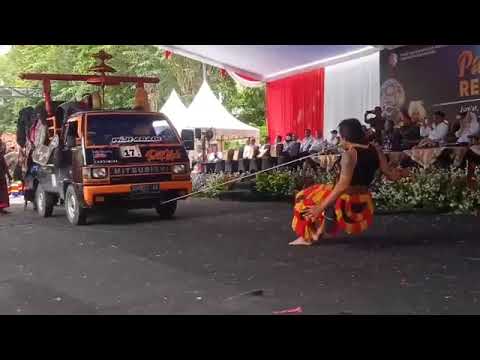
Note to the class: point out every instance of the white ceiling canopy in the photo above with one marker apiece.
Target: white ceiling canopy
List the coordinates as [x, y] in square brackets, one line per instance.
[271, 62]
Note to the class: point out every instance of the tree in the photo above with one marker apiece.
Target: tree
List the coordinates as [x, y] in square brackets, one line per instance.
[183, 74]
[142, 60]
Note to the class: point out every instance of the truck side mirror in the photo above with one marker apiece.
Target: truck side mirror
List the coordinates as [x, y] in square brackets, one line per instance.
[188, 138]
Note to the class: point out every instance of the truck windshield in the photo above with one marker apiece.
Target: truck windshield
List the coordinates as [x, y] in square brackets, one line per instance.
[118, 129]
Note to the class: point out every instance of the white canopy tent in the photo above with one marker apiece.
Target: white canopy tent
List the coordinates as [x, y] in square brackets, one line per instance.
[175, 110]
[206, 112]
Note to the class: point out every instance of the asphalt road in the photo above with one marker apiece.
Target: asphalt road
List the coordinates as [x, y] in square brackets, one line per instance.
[213, 252]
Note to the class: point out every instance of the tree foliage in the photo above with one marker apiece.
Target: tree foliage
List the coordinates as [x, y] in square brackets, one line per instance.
[179, 73]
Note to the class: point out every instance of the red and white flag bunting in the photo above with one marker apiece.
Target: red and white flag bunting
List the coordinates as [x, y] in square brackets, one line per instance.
[245, 82]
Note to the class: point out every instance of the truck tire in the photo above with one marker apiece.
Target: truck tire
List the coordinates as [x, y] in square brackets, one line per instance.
[44, 202]
[76, 213]
[167, 211]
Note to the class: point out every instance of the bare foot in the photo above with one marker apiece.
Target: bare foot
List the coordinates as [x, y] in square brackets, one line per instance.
[300, 241]
[319, 233]
[317, 236]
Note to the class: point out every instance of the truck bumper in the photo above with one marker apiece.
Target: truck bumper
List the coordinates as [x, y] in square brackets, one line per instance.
[104, 194]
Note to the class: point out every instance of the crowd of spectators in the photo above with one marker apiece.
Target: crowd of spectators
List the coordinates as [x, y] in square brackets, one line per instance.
[411, 128]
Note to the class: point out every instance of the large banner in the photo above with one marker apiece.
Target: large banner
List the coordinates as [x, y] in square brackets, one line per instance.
[424, 79]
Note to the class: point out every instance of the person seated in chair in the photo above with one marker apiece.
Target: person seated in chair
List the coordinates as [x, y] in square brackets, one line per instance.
[318, 143]
[213, 154]
[250, 150]
[306, 143]
[469, 128]
[334, 139]
[293, 148]
[288, 144]
[277, 148]
[434, 132]
[264, 150]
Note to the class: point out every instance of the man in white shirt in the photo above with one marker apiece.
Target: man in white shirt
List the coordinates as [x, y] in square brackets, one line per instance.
[435, 132]
[318, 143]
[265, 148]
[291, 147]
[306, 142]
[289, 142]
[469, 127]
[249, 149]
[334, 140]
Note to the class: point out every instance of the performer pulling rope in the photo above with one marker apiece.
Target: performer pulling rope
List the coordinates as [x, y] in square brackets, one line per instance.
[239, 178]
[323, 210]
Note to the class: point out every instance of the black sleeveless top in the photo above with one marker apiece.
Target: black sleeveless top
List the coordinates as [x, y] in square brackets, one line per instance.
[366, 167]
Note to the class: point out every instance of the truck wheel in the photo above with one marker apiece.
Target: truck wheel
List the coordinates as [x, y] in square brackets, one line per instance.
[44, 202]
[167, 211]
[76, 214]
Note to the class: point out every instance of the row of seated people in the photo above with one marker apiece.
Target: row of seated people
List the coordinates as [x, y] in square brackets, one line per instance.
[251, 158]
[433, 132]
[438, 131]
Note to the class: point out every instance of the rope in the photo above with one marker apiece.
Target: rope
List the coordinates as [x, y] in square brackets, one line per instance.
[243, 177]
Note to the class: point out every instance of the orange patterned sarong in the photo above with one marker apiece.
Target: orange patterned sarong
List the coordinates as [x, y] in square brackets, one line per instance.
[347, 218]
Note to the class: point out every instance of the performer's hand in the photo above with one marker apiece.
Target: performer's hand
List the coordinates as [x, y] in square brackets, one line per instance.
[314, 212]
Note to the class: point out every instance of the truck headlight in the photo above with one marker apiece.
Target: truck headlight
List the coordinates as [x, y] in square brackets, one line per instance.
[99, 173]
[178, 169]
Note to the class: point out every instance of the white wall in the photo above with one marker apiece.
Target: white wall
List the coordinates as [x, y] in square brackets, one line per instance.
[351, 88]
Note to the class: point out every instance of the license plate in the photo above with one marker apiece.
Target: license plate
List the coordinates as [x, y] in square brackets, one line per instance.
[128, 152]
[148, 188]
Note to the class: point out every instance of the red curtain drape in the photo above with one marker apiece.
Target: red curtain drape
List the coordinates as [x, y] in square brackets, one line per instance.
[295, 104]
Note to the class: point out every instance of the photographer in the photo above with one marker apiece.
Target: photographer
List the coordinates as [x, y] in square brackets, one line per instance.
[377, 123]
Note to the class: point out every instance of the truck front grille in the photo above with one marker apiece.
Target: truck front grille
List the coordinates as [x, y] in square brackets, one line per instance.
[139, 179]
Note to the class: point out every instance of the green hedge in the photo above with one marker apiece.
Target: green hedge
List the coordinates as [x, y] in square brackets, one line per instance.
[432, 189]
[212, 183]
[287, 182]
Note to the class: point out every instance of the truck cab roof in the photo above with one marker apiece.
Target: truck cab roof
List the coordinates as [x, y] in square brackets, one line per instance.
[114, 111]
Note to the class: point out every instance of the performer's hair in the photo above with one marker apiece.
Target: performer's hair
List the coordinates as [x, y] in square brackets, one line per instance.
[440, 114]
[351, 130]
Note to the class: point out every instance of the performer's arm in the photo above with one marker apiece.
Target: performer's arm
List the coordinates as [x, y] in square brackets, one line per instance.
[348, 162]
